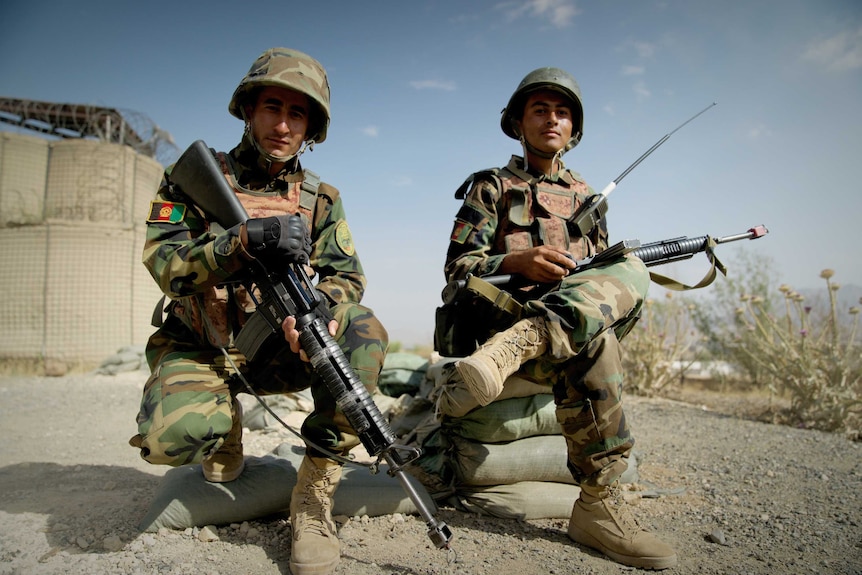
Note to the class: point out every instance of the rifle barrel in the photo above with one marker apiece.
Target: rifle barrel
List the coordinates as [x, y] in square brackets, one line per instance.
[676, 249]
[751, 234]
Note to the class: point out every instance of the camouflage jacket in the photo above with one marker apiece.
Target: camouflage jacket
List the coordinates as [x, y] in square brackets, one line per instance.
[196, 263]
[508, 209]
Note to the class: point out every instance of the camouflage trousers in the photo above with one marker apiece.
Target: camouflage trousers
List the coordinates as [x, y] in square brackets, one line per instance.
[187, 406]
[587, 316]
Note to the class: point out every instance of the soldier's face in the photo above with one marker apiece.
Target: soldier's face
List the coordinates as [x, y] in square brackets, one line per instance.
[547, 121]
[279, 120]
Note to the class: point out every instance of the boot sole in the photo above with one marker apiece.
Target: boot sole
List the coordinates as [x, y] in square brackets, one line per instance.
[475, 377]
[314, 569]
[654, 563]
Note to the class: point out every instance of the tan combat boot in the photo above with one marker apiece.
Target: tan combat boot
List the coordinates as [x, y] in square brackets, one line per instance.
[315, 549]
[601, 519]
[485, 371]
[227, 463]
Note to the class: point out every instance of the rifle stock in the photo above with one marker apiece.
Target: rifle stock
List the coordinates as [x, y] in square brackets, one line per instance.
[290, 293]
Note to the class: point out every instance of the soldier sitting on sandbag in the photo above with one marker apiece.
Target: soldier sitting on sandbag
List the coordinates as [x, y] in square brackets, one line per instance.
[518, 219]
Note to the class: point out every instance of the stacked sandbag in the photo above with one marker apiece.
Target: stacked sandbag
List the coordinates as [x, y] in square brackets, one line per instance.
[506, 459]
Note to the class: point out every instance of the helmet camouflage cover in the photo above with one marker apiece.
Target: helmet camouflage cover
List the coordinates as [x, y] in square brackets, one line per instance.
[291, 69]
[544, 79]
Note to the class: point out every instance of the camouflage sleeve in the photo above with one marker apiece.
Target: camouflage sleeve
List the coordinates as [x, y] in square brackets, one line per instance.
[180, 251]
[471, 242]
[333, 253]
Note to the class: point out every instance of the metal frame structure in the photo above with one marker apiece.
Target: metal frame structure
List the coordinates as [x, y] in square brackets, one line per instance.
[115, 125]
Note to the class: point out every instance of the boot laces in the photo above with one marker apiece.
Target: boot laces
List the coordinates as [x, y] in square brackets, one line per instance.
[509, 351]
[621, 510]
[314, 514]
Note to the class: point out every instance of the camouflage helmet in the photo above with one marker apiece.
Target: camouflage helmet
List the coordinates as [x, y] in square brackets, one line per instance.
[291, 69]
[547, 79]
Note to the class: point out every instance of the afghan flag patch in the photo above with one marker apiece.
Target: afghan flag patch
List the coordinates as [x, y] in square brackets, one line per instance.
[460, 232]
[166, 212]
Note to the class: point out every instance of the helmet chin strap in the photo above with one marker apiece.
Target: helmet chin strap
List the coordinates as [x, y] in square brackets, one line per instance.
[272, 158]
[530, 149]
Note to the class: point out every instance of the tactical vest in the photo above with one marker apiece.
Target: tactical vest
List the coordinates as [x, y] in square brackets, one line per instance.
[300, 198]
[217, 314]
[535, 211]
[531, 211]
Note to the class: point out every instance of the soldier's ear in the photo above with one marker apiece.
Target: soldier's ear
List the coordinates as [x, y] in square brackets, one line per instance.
[516, 127]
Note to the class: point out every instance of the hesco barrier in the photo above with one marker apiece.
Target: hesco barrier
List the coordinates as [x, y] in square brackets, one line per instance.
[72, 226]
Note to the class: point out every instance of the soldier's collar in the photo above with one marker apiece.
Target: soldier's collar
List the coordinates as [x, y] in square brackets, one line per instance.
[516, 166]
[251, 170]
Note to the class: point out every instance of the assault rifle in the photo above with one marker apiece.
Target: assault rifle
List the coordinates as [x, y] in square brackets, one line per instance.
[476, 306]
[652, 254]
[290, 293]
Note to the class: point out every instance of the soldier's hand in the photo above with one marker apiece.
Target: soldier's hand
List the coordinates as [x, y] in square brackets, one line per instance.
[277, 237]
[291, 335]
[543, 264]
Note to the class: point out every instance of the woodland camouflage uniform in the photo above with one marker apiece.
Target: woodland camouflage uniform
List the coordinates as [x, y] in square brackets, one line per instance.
[509, 209]
[567, 333]
[188, 403]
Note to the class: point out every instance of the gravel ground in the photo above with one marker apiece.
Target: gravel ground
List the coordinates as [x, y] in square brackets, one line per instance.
[755, 498]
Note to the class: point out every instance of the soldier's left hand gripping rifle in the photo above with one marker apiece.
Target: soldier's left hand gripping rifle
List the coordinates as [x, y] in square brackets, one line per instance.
[290, 293]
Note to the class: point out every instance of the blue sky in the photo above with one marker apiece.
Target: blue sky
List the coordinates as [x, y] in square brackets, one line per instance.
[417, 89]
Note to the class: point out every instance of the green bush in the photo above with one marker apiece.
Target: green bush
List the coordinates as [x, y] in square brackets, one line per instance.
[772, 338]
[656, 350]
[816, 361]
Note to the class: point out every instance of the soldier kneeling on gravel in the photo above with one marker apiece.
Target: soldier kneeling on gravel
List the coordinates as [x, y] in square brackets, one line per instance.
[189, 412]
[518, 220]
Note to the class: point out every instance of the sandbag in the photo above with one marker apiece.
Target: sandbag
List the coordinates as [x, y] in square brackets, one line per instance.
[541, 458]
[402, 373]
[507, 420]
[185, 499]
[522, 500]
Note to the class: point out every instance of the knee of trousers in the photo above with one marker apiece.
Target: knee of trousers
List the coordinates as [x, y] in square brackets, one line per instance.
[182, 427]
[363, 339]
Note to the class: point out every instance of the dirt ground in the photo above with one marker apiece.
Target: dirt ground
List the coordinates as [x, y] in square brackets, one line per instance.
[751, 498]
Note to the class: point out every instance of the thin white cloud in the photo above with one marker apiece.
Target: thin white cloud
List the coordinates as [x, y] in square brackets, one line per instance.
[839, 53]
[609, 110]
[644, 49]
[433, 85]
[633, 70]
[758, 131]
[558, 13]
[641, 90]
[371, 131]
[402, 181]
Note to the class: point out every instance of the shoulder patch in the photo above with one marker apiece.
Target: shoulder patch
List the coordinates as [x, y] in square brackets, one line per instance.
[343, 238]
[170, 212]
[460, 232]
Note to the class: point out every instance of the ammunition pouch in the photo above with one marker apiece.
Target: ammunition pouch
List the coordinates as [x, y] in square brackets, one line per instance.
[470, 317]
